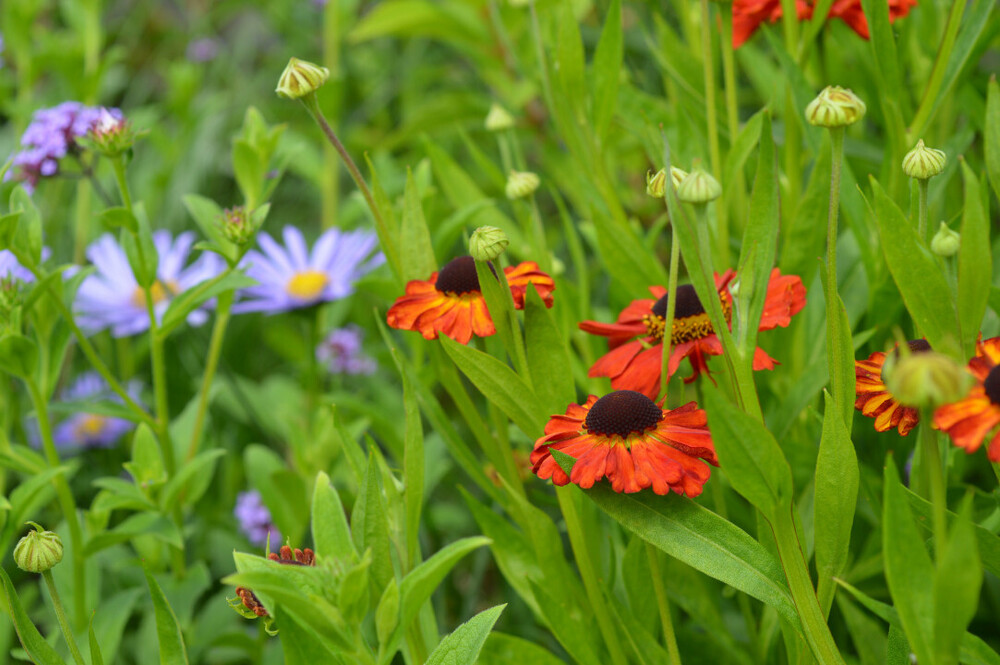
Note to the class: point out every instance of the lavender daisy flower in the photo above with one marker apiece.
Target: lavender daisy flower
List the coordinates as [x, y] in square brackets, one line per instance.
[202, 50]
[91, 430]
[10, 269]
[255, 519]
[111, 298]
[50, 136]
[341, 352]
[291, 277]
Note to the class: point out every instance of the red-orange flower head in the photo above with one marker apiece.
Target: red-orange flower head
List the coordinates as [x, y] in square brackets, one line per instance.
[627, 438]
[874, 399]
[635, 348]
[450, 301]
[749, 14]
[970, 420]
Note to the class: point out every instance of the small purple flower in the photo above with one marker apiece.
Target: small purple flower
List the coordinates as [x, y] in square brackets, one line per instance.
[11, 269]
[291, 277]
[111, 298]
[50, 136]
[255, 519]
[341, 352]
[202, 50]
[91, 430]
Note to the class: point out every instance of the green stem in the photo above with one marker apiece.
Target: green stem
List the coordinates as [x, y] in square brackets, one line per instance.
[732, 107]
[222, 314]
[536, 36]
[722, 233]
[834, 342]
[501, 439]
[656, 575]
[588, 572]
[538, 230]
[793, 152]
[668, 321]
[61, 617]
[930, 98]
[930, 454]
[66, 503]
[817, 633]
[331, 59]
[922, 208]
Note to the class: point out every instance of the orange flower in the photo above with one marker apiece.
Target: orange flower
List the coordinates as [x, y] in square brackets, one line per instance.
[749, 14]
[874, 399]
[851, 13]
[970, 420]
[629, 439]
[635, 348]
[450, 301]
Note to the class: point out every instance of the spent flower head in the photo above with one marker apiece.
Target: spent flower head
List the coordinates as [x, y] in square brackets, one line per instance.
[301, 78]
[923, 162]
[835, 107]
[38, 551]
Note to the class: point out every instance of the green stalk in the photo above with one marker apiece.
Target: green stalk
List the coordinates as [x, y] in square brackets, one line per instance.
[536, 36]
[588, 572]
[722, 233]
[66, 503]
[930, 453]
[922, 184]
[923, 115]
[61, 617]
[732, 107]
[793, 152]
[331, 59]
[656, 575]
[537, 229]
[503, 451]
[834, 342]
[222, 314]
[668, 321]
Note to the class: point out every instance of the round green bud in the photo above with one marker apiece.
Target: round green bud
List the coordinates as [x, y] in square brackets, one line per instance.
[301, 78]
[521, 184]
[835, 107]
[237, 226]
[923, 162]
[38, 551]
[699, 187]
[656, 183]
[946, 242]
[498, 119]
[926, 380]
[487, 243]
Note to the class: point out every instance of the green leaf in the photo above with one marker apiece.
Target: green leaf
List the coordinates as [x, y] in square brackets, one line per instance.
[991, 134]
[134, 525]
[353, 597]
[908, 568]
[146, 466]
[38, 649]
[370, 526]
[804, 236]
[500, 304]
[987, 543]
[249, 171]
[417, 257]
[500, 385]
[749, 455]
[836, 492]
[27, 237]
[387, 612]
[975, 263]
[958, 577]
[385, 224]
[462, 646]
[96, 658]
[504, 649]
[917, 275]
[110, 620]
[119, 217]
[607, 70]
[330, 532]
[413, 469]
[140, 250]
[548, 356]
[18, 355]
[168, 631]
[191, 299]
[190, 477]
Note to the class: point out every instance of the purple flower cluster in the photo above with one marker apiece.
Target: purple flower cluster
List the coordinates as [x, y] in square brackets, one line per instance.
[255, 519]
[51, 136]
[91, 430]
[341, 352]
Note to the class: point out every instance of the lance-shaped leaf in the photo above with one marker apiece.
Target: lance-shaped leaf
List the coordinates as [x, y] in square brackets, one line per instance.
[463, 646]
[975, 262]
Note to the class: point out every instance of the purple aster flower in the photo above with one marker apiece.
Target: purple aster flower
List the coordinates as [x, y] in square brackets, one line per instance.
[92, 430]
[341, 352]
[50, 136]
[255, 518]
[111, 298]
[11, 269]
[202, 50]
[291, 277]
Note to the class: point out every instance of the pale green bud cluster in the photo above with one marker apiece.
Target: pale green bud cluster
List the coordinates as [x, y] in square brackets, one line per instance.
[487, 243]
[498, 119]
[521, 184]
[699, 187]
[946, 242]
[301, 78]
[237, 226]
[923, 162]
[835, 107]
[38, 551]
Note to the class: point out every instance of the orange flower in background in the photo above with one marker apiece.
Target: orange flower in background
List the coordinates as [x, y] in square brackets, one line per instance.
[451, 302]
[970, 420]
[851, 13]
[635, 348]
[628, 439]
[749, 14]
[874, 399]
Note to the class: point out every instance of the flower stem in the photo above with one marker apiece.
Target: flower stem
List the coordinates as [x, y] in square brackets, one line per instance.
[834, 342]
[61, 616]
[331, 59]
[707, 63]
[930, 453]
[930, 98]
[222, 313]
[668, 321]
[922, 184]
[536, 35]
[656, 575]
[732, 107]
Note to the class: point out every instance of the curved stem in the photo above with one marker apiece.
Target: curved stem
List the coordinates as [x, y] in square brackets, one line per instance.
[833, 339]
[222, 314]
[61, 617]
[722, 239]
[922, 208]
[923, 116]
[673, 653]
[668, 320]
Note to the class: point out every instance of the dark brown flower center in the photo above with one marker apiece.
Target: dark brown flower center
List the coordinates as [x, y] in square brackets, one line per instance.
[992, 385]
[691, 322]
[687, 304]
[622, 412]
[458, 277]
[915, 346]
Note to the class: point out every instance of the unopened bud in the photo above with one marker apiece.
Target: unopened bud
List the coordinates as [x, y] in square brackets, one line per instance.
[38, 551]
[699, 187]
[946, 242]
[487, 243]
[923, 162]
[113, 134]
[835, 107]
[926, 380]
[521, 184]
[237, 226]
[301, 78]
[498, 119]
[656, 182]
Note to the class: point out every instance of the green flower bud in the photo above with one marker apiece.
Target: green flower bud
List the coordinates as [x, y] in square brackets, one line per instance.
[38, 551]
[521, 184]
[112, 135]
[835, 107]
[237, 226]
[657, 182]
[699, 187]
[946, 242]
[487, 243]
[301, 78]
[498, 119]
[923, 162]
[926, 380]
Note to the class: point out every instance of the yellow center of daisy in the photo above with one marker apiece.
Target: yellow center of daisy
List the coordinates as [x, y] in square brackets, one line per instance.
[90, 425]
[691, 322]
[307, 285]
[158, 292]
[621, 413]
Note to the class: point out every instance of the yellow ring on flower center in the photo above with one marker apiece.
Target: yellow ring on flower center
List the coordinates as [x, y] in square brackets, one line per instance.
[90, 425]
[307, 285]
[685, 329]
[158, 292]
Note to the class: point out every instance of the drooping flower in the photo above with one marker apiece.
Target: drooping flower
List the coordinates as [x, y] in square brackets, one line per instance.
[450, 301]
[86, 429]
[970, 420]
[875, 401]
[633, 442]
[292, 276]
[111, 297]
[49, 137]
[635, 340]
[341, 352]
[255, 519]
